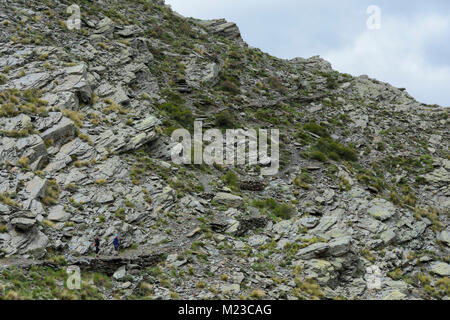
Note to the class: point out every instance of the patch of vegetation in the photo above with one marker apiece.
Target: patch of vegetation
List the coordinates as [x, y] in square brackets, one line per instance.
[274, 208]
[225, 119]
[51, 193]
[317, 129]
[308, 289]
[14, 102]
[327, 148]
[179, 114]
[232, 180]
[44, 283]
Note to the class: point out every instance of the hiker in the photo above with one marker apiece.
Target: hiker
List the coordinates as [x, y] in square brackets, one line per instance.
[116, 244]
[97, 246]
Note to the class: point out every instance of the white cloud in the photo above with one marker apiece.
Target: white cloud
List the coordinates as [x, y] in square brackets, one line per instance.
[396, 54]
[411, 50]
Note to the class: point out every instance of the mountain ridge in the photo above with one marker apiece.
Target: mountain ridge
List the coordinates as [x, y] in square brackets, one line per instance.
[86, 118]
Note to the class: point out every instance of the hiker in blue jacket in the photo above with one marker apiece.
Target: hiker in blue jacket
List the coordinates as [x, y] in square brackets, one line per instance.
[97, 246]
[116, 244]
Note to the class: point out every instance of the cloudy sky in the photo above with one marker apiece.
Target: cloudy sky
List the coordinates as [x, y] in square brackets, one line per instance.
[411, 49]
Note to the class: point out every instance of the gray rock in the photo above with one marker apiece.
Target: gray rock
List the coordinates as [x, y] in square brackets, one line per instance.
[438, 176]
[228, 199]
[314, 250]
[57, 213]
[36, 187]
[120, 273]
[339, 247]
[325, 224]
[309, 222]
[369, 224]
[440, 268]
[444, 236]
[222, 27]
[321, 270]
[129, 31]
[23, 224]
[198, 73]
[32, 81]
[381, 209]
[104, 197]
[388, 236]
[394, 295]
[45, 123]
[105, 89]
[105, 26]
[230, 288]
[60, 132]
[78, 84]
[120, 96]
[257, 240]
[75, 175]
[4, 210]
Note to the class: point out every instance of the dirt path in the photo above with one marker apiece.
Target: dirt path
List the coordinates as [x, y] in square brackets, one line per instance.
[143, 257]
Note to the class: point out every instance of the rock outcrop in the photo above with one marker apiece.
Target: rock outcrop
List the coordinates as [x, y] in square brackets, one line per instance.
[361, 195]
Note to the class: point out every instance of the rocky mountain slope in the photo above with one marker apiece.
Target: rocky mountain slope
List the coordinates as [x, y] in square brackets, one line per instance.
[85, 122]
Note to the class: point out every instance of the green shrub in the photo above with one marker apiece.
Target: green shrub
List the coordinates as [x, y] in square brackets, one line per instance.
[229, 86]
[180, 114]
[284, 211]
[316, 129]
[225, 119]
[317, 155]
[232, 180]
[332, 82]
[176, 110]
[271, 206]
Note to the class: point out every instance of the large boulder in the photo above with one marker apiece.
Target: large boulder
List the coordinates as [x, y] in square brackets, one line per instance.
[438, 176]
[381, 209]
[340, 246]
[23, 224]
[32, 147]
[444, 236]
[105, 27]
[32, 81]
[58, 214]
[228, 199]
[320, 270]
[440, 268]
[36, 187]
[63, 130]
[120, 273]
[197, 72]
[222, 27]
[313, 250]
[143, 132]
[75, 80]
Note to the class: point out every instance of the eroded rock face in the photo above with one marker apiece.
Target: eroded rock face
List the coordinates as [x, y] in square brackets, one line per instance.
[228, 199]
[23, 224]
[222, 27]
[85, 151]
[61, 131]
[381, 209]
[58, 214]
